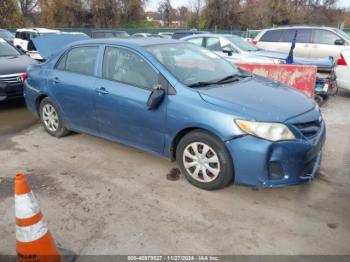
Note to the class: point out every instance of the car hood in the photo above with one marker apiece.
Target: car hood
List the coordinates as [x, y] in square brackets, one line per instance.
[320, 62]
[258, 98]
[15, 64]
[48, 45]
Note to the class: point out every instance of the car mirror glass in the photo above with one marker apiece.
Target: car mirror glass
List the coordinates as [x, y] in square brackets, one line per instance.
[227, 50]
[339, 42]
[155, 97]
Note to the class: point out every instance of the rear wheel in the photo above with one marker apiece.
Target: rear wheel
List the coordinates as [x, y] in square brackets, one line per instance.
[204, 160]
[51, 118]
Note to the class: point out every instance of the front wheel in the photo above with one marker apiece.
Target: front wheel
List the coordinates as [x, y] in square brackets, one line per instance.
[204, 160]
[51, 118]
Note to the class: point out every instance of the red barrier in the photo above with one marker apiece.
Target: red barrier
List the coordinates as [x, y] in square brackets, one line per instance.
[300, 77]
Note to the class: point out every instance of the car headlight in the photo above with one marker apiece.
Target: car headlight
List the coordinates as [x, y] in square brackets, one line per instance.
[268, 131]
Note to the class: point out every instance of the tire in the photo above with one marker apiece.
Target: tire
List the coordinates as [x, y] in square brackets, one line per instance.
[217, 161]
[51, 118]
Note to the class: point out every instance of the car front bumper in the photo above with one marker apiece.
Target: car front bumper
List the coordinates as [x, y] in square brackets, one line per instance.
[10, 91]
[262, 163]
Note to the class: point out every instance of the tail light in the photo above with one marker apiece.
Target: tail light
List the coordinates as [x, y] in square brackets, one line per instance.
[24, 77]
[254, 42]
[341, 60]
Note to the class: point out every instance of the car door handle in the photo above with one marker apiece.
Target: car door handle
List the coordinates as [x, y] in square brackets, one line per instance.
[102, 91]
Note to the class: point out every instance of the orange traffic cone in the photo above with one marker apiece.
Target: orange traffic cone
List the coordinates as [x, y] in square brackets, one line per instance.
[33, 238]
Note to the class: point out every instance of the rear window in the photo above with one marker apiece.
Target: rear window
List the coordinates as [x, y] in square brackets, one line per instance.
[271, 36]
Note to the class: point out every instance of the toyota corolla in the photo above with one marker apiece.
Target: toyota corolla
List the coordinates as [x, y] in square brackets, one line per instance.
[181, 101]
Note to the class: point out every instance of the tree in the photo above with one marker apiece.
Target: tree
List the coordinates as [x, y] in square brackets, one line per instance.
[27, 7]
[166, 10]
[105, 13]
[132, 11]
[9, 13]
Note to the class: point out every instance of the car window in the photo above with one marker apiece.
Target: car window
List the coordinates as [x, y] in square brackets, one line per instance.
[213, 44]
[98, 35]
[191, 63]
[272, 36]
[25, 36]
[79, 60]
[7, 50]
[303, 36]
[324, 37]
[5, 34]
[288, 35]
[127, 67]
[197, 41]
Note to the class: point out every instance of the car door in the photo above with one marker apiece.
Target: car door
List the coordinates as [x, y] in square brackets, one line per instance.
[71, 83]
[127, 80]
[323, 44]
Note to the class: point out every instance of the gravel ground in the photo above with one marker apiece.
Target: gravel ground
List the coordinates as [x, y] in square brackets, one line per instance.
[103, 198]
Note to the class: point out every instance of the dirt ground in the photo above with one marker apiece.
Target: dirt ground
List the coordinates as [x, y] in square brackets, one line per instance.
[103, 198]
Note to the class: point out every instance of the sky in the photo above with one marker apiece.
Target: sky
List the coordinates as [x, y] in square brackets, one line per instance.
[152, 4]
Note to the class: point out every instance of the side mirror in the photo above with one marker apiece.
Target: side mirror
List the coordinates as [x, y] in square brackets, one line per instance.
[155, 97]
[339, 42]
[227, 51]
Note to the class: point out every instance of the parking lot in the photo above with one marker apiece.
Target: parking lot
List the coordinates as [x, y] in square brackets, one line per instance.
[104, 198]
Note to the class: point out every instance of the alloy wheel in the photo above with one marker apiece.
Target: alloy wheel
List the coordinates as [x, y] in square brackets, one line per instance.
[201, 162]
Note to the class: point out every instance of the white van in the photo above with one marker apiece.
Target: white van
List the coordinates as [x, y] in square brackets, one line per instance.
[313, 42]
[24, 35]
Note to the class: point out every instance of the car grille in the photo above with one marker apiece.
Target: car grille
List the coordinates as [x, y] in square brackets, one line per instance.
[11, 79]
[309, 129]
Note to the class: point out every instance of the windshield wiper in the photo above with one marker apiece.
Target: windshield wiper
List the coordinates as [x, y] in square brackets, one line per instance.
[201, 84]
[232, 78]
[227, 79]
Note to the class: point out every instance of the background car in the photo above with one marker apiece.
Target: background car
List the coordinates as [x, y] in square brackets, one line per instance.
[242, 128]
[183, 33]
[25, 35]
[108, 34]
[166, 34]
[236, 48]
[343, 70]
[7, 36]
[142, 35]
[317, 42]
[13, 65]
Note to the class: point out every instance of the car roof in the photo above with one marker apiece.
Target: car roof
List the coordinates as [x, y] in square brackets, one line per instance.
[211, 35]
[190, 31]
[108, 31]
[39, 30]
[300, 26]
[135, 42]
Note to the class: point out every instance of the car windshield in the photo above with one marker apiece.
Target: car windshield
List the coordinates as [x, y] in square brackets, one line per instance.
[242, 44]
[192, 64]
[7, 50]
[6, 34]
[343, 34]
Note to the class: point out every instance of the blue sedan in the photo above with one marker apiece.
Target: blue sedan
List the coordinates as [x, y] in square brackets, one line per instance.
[181, 101]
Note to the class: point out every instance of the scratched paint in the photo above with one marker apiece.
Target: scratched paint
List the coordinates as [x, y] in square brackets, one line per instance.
[300, 77]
